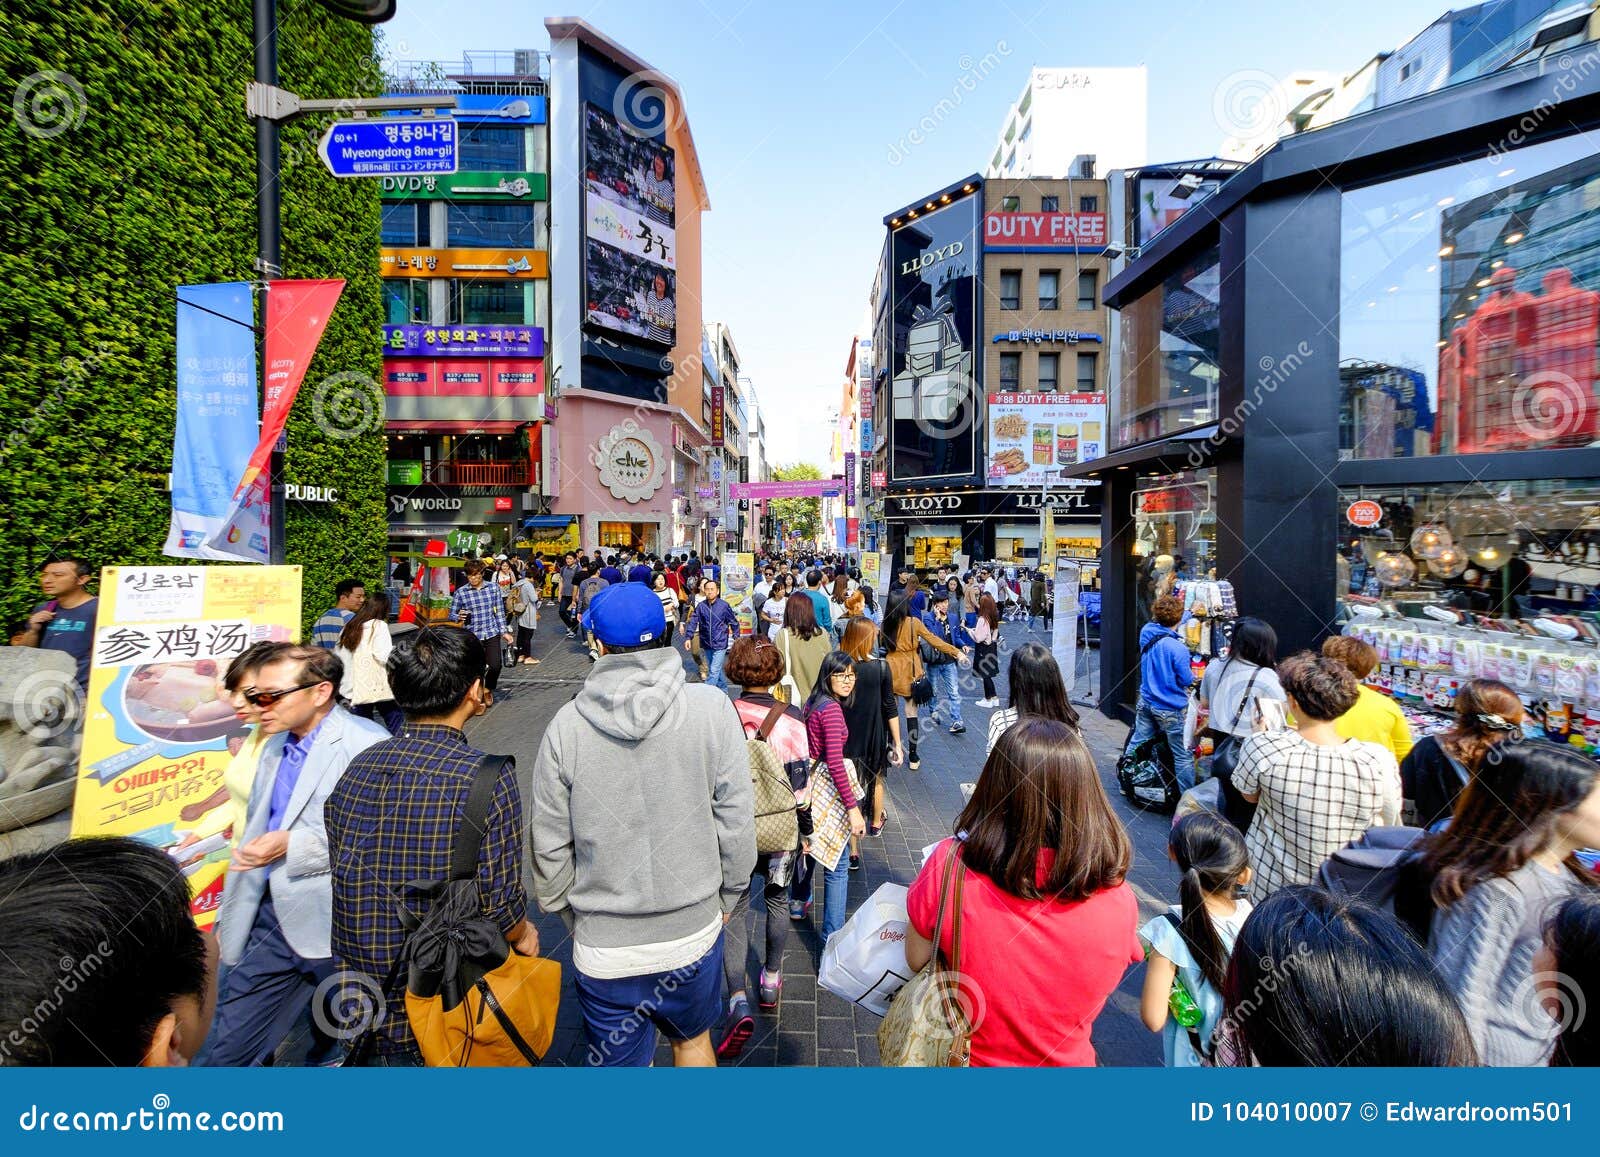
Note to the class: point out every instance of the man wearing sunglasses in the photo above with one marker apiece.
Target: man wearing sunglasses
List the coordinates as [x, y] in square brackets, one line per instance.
[274, 928]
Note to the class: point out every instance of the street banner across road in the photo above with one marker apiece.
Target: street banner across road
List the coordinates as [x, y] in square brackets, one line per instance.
[158, 729]
[798, 488]
[215, 429]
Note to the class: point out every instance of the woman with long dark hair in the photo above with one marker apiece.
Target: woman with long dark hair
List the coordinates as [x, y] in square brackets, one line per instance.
[833, 826]
[986, 645]
[1435, 771]
[873, 722]
[1319, 980]
[902, 631]
[1567, 979]
[1035, 687]
[364, 647]
[1502, 867]
[804, 645]
[1190, 942]
[1235, 692]
[1048, 919]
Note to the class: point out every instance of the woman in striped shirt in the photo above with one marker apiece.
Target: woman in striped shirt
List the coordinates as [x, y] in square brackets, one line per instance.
[827, 732]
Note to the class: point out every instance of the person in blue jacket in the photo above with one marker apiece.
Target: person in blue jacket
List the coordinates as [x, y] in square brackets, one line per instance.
[1164, 678]
[717, 625]
[944, 620]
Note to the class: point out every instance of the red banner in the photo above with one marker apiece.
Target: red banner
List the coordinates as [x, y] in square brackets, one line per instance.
[1064, 230]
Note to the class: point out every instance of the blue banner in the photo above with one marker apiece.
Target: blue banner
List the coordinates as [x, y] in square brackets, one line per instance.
[217, 423]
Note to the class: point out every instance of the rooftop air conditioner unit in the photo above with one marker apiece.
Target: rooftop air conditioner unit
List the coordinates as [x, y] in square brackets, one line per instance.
[1082, 168]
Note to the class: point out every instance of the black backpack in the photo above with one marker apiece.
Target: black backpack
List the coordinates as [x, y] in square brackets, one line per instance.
[1383, 868]
[1146, 777]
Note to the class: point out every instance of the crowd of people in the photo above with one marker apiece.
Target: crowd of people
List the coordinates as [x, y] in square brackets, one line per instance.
[649, 820]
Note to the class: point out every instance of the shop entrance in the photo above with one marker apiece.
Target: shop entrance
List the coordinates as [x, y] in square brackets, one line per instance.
[639, 537]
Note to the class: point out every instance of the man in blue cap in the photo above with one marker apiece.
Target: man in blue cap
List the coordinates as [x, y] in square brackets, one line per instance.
[643, 836]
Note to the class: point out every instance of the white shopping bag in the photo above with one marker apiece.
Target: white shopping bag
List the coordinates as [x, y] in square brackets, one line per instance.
[865, 961]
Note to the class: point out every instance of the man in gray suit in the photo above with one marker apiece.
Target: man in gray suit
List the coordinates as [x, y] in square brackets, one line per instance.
[275, 924]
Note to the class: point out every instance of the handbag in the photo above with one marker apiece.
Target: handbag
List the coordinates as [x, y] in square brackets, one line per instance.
[470, 1000]
[922, 691]
[927, 1025]
[777, 812]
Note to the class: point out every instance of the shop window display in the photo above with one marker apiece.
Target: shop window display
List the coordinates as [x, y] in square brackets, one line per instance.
[1170, 370]
[1175, 534]
[1489, 580]
[1470, 307]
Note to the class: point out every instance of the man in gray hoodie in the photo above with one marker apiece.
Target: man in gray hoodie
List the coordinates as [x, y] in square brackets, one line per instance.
[643, 836]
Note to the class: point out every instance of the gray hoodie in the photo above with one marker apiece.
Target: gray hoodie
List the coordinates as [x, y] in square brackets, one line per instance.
[643, 819]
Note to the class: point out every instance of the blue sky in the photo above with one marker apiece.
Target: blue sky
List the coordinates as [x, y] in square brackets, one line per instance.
[795, 111]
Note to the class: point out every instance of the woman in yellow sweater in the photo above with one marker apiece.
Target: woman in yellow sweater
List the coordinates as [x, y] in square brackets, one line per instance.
[1375, 718]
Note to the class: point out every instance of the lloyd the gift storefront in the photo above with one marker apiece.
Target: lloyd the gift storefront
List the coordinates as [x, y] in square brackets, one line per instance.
[1360, 384]
[929, 529]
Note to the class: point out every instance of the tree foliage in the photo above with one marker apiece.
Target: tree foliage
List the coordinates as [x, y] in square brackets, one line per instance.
[801, 516]
[129, 169]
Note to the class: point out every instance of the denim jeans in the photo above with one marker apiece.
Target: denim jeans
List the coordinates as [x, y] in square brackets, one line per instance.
[1148, 721]
[836, 895]
[947, 689]
[715, 678]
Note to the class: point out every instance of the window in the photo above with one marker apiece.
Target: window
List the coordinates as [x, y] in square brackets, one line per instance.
[489, 224]
[1049, 372]
[405, 223]
[1050, 289]
[1010, 373]
[1010, 204]
[1170, 346]
[1460, 294]
[1011, 289]
[1088, 204]
[1088, 289]
[1049, 204]
[487, 303]
[490, 148]
[1407, 70]
[1088, 373]
[405, 301]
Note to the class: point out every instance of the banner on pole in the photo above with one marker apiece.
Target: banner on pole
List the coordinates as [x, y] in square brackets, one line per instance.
[296, 315]
[1064, 629]
[216, 412]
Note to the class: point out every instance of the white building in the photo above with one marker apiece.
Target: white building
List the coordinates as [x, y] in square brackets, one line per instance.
[1066, 113]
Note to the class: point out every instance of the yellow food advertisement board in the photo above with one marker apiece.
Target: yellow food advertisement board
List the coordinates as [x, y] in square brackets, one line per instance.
[158, 729]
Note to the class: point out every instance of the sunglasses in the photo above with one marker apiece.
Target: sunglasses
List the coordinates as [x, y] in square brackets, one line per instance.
[269, 698]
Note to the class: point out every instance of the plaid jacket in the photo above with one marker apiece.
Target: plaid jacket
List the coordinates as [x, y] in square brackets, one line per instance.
[487, 604]
[391, 821]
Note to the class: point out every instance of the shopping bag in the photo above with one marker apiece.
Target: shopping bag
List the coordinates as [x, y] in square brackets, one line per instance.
[865, 961]
[1205, 796]
[1191, 722]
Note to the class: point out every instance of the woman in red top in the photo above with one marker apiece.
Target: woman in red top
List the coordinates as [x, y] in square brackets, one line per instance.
[1049, 924]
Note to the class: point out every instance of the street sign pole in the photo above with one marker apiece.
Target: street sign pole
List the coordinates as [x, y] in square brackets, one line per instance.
[264, 16]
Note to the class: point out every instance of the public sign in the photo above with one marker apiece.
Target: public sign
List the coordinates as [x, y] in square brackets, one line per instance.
[1365, 514]
[158, 729]
[389, 147]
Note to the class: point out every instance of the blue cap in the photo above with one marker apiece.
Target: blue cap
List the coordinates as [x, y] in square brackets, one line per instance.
[625, 615]
[641, 573]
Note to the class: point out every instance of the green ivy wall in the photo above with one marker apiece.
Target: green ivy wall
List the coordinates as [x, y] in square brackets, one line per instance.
[133, 173]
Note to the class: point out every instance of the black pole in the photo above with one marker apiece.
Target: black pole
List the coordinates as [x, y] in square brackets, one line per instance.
[264, 14]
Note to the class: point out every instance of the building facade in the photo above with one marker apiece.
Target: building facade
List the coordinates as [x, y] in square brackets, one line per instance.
[1065, 114]
[1381, 394]
[465, 274]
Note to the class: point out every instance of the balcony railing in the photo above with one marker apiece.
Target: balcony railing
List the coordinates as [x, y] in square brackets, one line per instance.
[504, 472]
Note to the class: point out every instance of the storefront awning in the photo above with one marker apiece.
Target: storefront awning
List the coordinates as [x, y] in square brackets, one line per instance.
[474, 427]
[1169, 455]
[547, 522]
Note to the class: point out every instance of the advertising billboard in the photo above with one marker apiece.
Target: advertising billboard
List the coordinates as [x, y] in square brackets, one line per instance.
[1157, 206]
[936, 378]
[630, 249]
[1069, 232]
[1032, 435]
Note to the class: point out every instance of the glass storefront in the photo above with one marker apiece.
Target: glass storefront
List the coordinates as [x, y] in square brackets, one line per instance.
[635, 536]
[1170, 365]
[1470, 306]
[1175, 532]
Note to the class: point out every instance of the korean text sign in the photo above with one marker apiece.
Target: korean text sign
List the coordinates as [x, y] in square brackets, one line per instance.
[159, 732]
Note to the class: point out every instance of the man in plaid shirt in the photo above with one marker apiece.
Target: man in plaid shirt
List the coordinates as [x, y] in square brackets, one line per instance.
[482, 607]
[1314, 790]
[392, 821]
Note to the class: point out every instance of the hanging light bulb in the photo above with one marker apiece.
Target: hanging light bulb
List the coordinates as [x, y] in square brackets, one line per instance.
[1448, 563]
[1491, 556]
[1429, 539]
[1394, 570]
